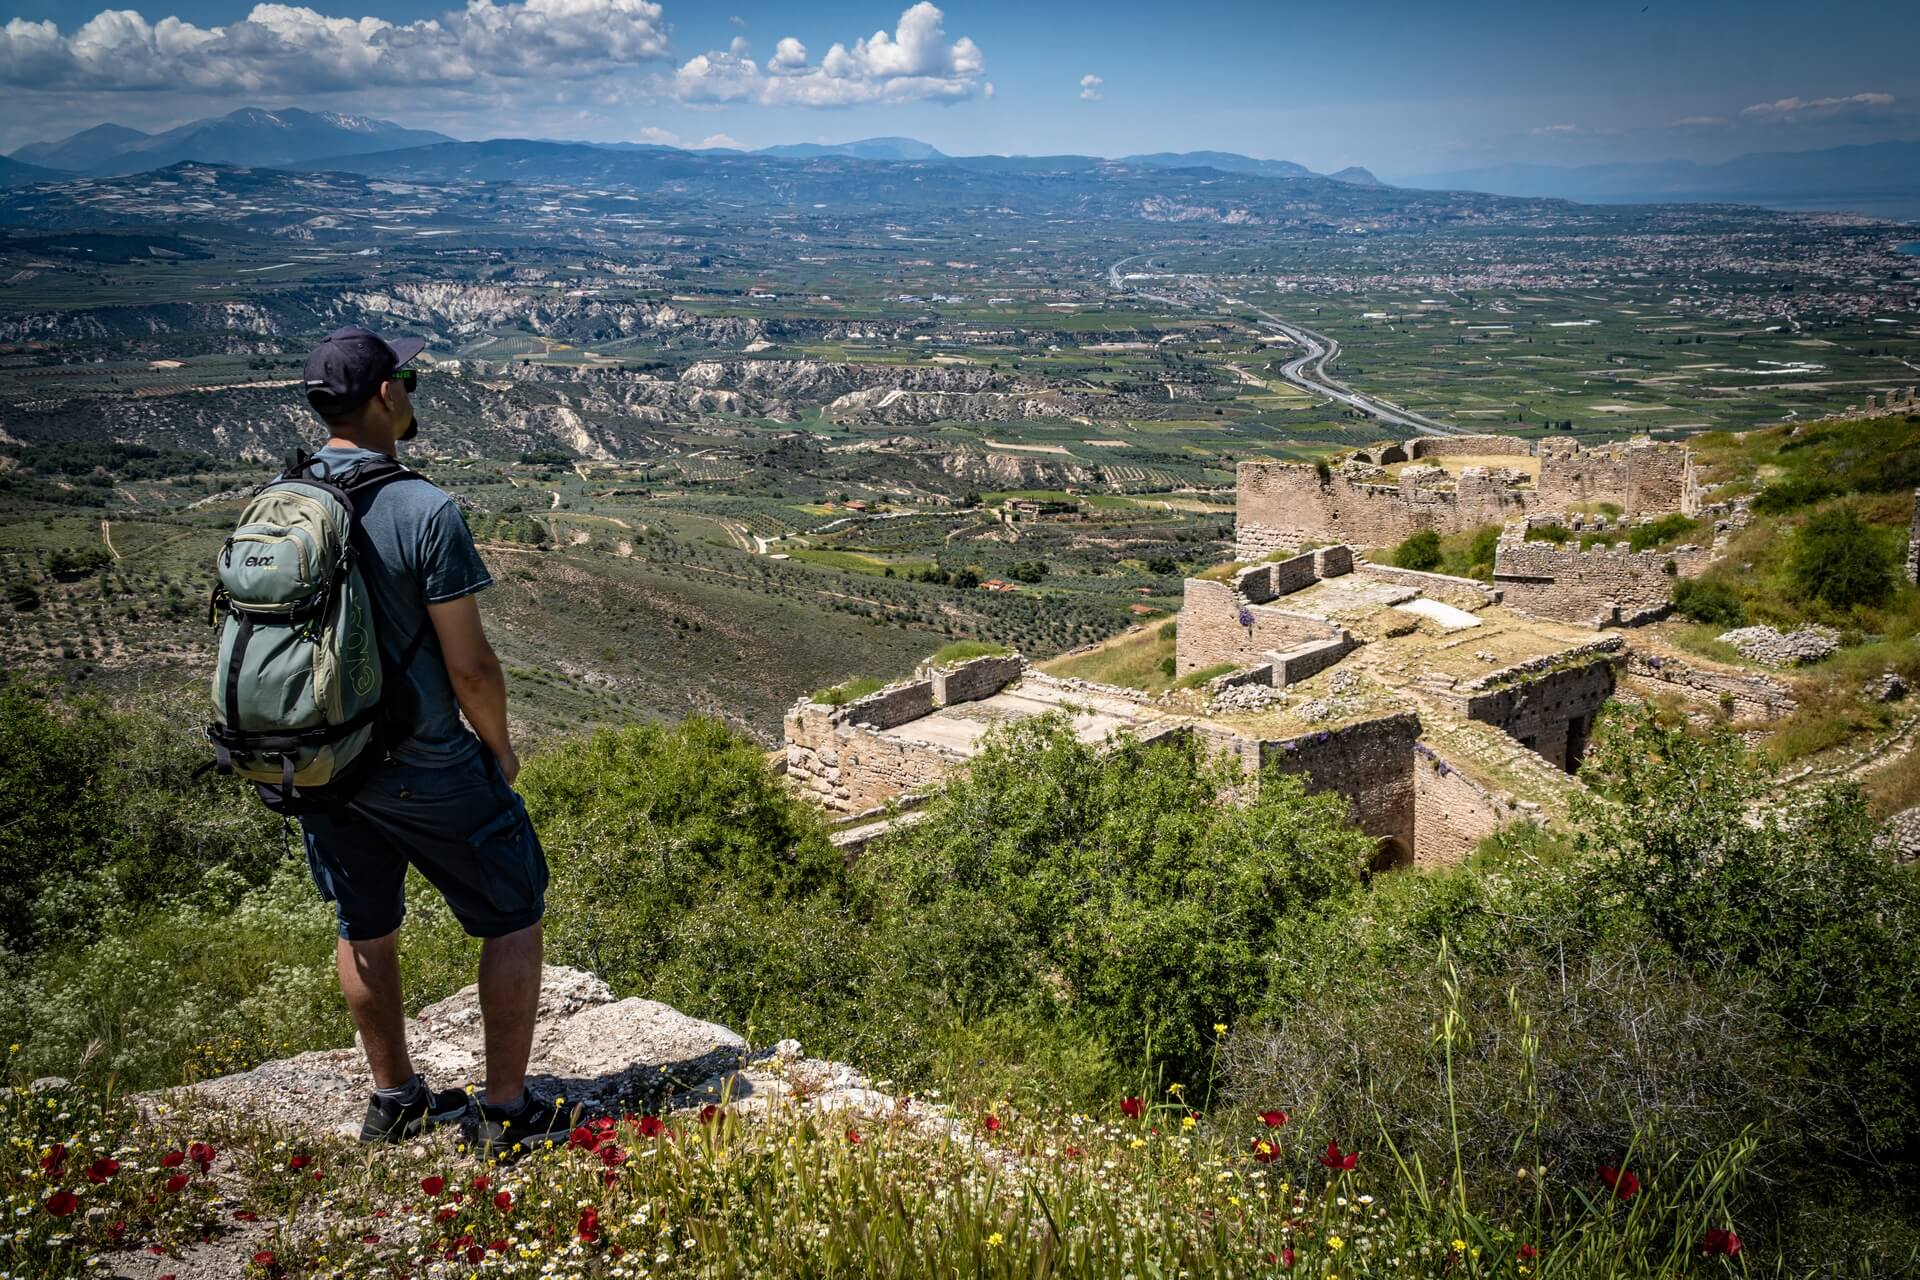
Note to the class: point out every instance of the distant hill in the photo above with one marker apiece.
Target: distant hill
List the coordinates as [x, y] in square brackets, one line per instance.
[249, 136]
[84, 149]
[865, 149]
[1354, 175]
[1225, 161]
[1832, 177]
[15, 174]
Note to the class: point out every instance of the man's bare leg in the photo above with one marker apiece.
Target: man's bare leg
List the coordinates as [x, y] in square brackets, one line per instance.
[370, 980]
[509, 1001]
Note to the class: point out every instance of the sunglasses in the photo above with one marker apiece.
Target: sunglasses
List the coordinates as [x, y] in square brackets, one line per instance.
[408, 378]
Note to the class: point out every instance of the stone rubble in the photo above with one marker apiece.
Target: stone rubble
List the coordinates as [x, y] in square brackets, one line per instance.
[1886, 687]
[1775, 648]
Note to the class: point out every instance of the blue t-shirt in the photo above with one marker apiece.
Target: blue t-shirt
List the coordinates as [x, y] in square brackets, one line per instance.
[422, 554]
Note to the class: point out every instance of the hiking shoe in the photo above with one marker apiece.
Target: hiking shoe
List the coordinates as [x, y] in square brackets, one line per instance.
[506, 1133]
[395, 1115]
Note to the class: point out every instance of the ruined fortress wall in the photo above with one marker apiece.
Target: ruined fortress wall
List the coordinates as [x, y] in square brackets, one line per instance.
[1603, 586]
[1462, 593]
[1309, 659]
[975, 678]
[1469, 446]
[1642, 476]
[1913, 543]
[894, 705]
[1283, 505]
[1279, 578]
[1210, 632]
[846, 768]
[1552, 710]
[1452, 813]
[1369, 763]
[1743, 695]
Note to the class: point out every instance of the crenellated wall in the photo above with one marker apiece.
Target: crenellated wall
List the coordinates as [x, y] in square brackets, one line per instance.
[1598, 586]
[1282, 505]
[1469, 447]
[1642, 476]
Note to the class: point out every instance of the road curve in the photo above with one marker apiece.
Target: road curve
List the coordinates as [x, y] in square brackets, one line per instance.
[1308, 370]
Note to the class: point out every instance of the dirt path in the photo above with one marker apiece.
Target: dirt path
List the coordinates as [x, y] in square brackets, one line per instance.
[106, 536]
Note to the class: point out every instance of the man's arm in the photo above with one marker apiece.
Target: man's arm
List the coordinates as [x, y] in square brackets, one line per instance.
[477, 680]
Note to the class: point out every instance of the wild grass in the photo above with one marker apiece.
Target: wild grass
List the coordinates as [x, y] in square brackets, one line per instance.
[961, 650]
[1195, 679]
[1134, 661]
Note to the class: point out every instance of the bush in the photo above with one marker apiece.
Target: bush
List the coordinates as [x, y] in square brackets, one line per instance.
[1709, 600]
[1671, 528]
[839, 695]
[961, 650]
[1116, 892]
[1557, 534]
[1791, 493]
[1841, 561]
[1421, 551]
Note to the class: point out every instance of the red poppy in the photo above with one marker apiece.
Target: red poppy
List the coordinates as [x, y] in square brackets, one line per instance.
[652, 1126]
[853, 1136]
[1528, 1253]
[992, 1124]
[447, 1213]
[710, 1113]
[201, 1153]
[263, 1259]
[55, 1155]
[481, 1182]
[299, 1162]
[474, 1254]
[62, 1203]
[1286, 1259]
[433, 1184]
[503, 1201]
[1132, 1108]
[173, 1159]
[177, 1181]
[1725, 1243]
[1273, 1119]
[583, 1139]
[370, 1238]
[245, 1215]
[1265, 1151]
[588, 1228]
[498, 1246]
[102, 1169]
[1625, 1185]
[1334, 1160]
[318, 1174]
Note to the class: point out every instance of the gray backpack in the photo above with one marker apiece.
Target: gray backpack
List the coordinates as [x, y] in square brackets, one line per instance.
[301, 701]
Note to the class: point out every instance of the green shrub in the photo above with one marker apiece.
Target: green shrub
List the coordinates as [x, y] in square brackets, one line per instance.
[1791, 493]
[839, 695]
[1709, 600]
[1481, 551]
[1199, 676]
[1839, 560]
[1673, 528]
[1421, 551]
[1115, 891]
[1554, 533]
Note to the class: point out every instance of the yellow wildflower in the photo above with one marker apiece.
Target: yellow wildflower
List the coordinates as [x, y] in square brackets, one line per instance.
[995, 1240]
[1335, 1243]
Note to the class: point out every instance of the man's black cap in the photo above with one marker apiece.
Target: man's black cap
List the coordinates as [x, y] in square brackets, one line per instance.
[349, 365]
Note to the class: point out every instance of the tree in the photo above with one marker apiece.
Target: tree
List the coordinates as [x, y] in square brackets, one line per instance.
[1840, 561]
[1421, 551]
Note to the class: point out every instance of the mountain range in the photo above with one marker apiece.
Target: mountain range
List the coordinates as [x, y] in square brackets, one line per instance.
[249, 136]
[1881, 178]
[293, 138]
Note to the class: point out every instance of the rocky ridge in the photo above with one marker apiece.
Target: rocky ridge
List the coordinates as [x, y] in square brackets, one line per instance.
[602, 1054]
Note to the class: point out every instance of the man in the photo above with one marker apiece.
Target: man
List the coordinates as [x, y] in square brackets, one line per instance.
[443, 799]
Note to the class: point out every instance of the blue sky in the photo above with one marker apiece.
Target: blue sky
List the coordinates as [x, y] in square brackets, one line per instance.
[1400, 88]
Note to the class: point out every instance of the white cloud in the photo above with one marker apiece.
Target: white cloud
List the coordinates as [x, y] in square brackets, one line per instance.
[653, 133]
[1554, 130]
[720, 140]
[282, 48]
[914, 62]
[1790, 110]
[1090, 88]
[1699, 122]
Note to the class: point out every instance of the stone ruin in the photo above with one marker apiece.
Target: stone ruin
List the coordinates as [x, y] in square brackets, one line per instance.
[1284, 506]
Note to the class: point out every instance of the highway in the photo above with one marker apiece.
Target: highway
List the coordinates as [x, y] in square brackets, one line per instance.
[1308, 370]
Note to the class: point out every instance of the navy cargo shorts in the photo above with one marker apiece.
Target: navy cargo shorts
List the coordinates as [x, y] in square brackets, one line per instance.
[461, 825]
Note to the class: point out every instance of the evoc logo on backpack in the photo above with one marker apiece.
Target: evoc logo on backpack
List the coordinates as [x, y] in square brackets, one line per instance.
[298, 690]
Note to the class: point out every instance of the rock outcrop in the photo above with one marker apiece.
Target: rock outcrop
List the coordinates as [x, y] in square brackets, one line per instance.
[604, 1054]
